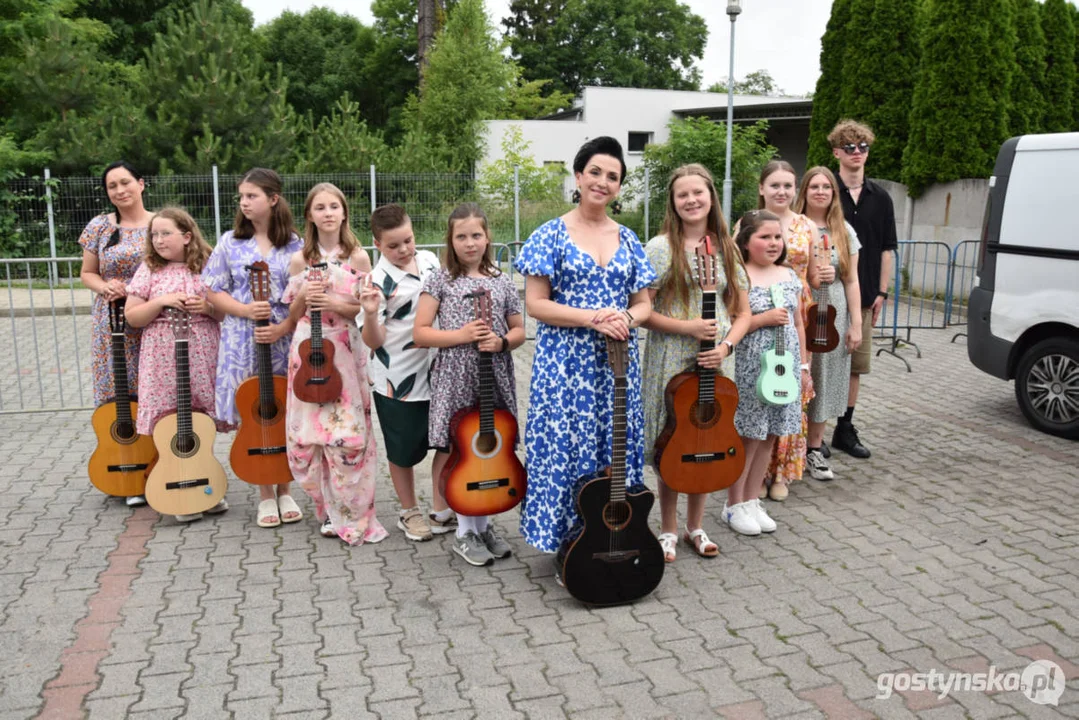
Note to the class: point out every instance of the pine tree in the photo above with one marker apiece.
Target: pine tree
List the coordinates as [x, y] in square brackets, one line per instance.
[959, 115]
[1075, 98]
[1059, 66]
[826, 97]
[1028, 101]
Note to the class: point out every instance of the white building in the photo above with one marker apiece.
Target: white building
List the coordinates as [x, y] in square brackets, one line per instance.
[637, 117]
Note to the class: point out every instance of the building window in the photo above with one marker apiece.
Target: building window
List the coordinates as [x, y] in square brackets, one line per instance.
[638, 140]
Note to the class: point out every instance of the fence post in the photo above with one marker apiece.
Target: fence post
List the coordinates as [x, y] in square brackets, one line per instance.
[217, 204]
[647, 197]
[53, 277]
[517, 203]
[373, 187]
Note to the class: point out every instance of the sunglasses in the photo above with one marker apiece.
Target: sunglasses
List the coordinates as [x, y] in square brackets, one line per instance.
[851, 148]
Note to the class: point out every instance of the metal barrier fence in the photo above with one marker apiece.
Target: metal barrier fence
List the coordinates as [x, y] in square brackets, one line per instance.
[965, 260]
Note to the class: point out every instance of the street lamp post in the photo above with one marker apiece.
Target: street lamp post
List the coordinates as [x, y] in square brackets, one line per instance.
[734, 8]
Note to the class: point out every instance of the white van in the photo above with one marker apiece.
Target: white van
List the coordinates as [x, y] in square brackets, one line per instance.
[1024, 309]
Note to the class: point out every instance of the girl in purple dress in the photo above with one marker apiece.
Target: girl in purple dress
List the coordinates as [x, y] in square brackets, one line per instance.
[460, 337]
[263, 230]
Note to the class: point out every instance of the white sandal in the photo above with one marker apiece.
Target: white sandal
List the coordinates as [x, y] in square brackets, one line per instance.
[700, 543]
[668, 541]
[268, 516]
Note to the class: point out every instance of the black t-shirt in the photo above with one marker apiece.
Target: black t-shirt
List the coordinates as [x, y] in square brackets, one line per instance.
[873, 218]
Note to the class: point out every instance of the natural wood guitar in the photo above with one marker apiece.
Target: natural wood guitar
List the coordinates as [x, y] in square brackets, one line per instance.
[316, 380]
[483, 475]
[258, 451]
[123, 457]
[699, 451]
[187, 478]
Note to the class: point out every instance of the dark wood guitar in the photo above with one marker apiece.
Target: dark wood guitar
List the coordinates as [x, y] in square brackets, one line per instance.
[821, 333]
[613, 557]
[187, 478]
[258, 452]
[316, 380]
[123, 457]
[483, 475]
[699, 451]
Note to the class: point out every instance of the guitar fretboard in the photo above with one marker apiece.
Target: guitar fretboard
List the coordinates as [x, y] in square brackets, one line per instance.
[265, 374]
[183, 393]
[706, 387]
[119, 378]
[487, 394]
[618, 446]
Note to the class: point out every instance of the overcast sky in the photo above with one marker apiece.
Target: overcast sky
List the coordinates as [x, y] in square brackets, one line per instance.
[780, 36]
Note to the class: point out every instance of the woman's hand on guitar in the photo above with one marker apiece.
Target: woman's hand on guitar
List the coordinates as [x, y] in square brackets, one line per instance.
[612, 323]
[113, 290]
[701, 329]
[713, 358]
[853, 339]
[269, 334]
[258, 310]
[826, 273]
[775, 317]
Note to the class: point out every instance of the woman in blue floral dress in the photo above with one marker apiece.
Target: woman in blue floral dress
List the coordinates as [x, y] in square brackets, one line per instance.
[587, 280]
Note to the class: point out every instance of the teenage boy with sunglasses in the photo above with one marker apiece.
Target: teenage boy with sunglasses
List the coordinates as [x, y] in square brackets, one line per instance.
[868, 208]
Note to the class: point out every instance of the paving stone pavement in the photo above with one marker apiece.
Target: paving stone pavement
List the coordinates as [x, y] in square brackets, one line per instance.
[954, 548]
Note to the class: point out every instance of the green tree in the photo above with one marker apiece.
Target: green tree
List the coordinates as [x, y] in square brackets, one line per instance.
[526, 100]
[392, 64]
[758, 82]
[1075, 98]
[826, 96]
[340, 142]
[1059, 66]
[1028, 101]
[959, 116]
[536, 182]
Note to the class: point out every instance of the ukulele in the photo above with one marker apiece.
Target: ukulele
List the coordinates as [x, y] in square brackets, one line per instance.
[821, 333]
[777, 384]
[699, 451]
[613, 556]
[258, 452]
[123, 457]
[187, 478]
[483, 475]
[316, 380]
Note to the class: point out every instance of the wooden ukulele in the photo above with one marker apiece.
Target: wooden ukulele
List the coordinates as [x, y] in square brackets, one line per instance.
[777, 384]
[821, 333]
[258, 452]
[188, 478]
[316, 380]
[613, 557]
[123, 457]
[699, 451]
[483, 475]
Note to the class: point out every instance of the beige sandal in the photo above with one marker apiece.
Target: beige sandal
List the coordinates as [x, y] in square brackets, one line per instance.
[698, 540]
[268, 516]
[668, 541]
[286, 504]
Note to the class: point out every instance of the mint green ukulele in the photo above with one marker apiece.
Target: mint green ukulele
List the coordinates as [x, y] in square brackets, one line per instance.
[777, 384]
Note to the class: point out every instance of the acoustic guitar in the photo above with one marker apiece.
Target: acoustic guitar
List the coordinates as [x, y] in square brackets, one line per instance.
[777, 384]
[613, 557]
[483, 475]
[119, 464]
[699, 451]
[316, 380]
[821, 333]
[258, 452]
[187, 478]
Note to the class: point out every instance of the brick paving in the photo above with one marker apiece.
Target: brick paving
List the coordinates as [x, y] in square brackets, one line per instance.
[954, 548]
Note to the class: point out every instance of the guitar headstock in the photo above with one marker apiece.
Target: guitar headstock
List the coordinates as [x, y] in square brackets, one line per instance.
[117, 321]
[260, 280]
[315, 272]
[707, 264]
[618, 356]
[482, 307]
[181, 323]
[777, 295]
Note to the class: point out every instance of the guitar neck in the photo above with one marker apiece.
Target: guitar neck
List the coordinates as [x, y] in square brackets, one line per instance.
[183, 391]
[316, 329]
[781, 340]
[487, 393]
[618, 445]
[119, 378]
[265, 375]
[706, 386]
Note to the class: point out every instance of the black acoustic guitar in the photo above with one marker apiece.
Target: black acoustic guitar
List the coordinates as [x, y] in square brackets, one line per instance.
[613, 557]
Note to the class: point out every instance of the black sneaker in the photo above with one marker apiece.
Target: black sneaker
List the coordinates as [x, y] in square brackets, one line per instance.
[824, 450]
[845, 438]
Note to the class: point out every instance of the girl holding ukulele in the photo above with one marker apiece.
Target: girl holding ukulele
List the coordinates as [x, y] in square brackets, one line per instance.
[447, 296]
[676, 327]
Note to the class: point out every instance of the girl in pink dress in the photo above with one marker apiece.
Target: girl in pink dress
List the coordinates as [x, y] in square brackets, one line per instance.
[169, 277]
[331, 447]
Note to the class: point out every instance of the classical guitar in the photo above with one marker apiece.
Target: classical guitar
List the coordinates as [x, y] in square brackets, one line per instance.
[187, 478]
[699, 451]
[777, 383]
[123, 457]
[316, 380]
[613, 557]
[821, 333]
[483, 475]
[258, 452]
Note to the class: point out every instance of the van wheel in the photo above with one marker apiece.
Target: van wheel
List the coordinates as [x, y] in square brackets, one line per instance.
[1047, 386]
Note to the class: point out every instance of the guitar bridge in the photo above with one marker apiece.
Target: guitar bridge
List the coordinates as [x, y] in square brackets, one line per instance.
[615, 556]
[275, 450]
[703, 457]
[185, 484]
[127, 468]
[488, 484]
[318, 381]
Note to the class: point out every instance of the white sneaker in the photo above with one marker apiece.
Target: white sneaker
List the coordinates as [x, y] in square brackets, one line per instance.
[818, 466]
[765, 523]
[742, 518]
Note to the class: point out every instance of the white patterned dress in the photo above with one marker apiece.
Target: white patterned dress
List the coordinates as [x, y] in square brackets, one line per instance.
[568, 432]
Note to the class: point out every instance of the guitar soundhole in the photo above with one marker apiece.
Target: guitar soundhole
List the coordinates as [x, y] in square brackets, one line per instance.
[185, 445]
[317, 358]
[780, 371]
[705, 415]
[616, 515]
[486, 442]
[123, 432]
[267, 413]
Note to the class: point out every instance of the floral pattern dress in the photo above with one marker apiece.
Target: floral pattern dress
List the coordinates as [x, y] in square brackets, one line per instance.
[157, 364]
[789, 456]
[117, 262]
[666, 355]
[455, 372]
[331, 446]
[226, 271]
[568, 432]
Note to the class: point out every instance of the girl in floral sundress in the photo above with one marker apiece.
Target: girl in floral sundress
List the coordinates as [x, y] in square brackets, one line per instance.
[331, 446]
[460, 337]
